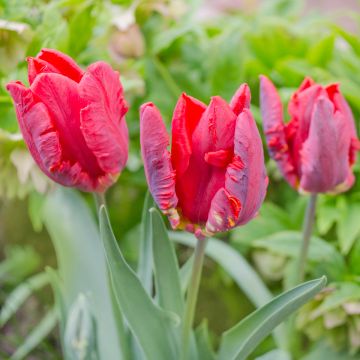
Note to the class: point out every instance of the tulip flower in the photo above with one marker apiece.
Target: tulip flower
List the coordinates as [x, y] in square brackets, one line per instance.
[73, 120]
[316, 149]
[214, 178]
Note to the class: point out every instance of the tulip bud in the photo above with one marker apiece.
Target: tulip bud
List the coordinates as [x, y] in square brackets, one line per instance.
[316, 149]
[214, 178]
[73, 121]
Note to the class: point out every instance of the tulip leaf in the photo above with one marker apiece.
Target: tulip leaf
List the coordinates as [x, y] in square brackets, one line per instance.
[153, 327]
[239, 341]
[166, 268]
[37, 335]
[144, 270]
[18, 296]
[205, 351]
[82, 265]
[185, 273]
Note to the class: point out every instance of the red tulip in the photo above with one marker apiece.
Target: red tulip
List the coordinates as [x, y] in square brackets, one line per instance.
[214, 178]
[316, 149]
[73, 121]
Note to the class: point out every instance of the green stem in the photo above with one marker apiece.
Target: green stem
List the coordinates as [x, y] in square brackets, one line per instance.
[192, 294]
[166, 76]
[99, 199]
[307, 231]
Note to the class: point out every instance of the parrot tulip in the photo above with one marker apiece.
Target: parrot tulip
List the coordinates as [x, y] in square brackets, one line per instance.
[214, 178]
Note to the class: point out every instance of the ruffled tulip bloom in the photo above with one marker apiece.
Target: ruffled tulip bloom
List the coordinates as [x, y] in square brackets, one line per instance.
[73, 120]
[316, 149]
[214, 178]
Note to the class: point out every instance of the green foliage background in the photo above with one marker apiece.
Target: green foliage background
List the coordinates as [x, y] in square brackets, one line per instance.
[162, 48]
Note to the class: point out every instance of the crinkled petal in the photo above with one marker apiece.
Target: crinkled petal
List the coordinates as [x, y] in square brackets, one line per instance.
[36, 127]
[102, 119]
[64, 64]
[241, 99]
[245, 180]
[216, 127]
[341, 105]
[324, 155]
[61, 97]
[186, 116]
[159, 173]
[212, 139]
[272, 115]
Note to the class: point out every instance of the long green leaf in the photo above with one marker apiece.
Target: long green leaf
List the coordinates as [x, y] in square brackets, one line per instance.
[185, 273]
[37, 335]
[166, 268]
[238, 342]
[145, 255]
[153, 327]
[18, 296]
[82, 266]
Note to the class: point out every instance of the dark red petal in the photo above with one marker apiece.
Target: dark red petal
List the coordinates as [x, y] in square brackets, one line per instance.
[241, 99]
[37, 66]
[325, 153]
[186, 116]
[102, 119]
[61, 97]
[64, 64]
[307, 82]
[201, 180]
[272, 115]
[216, 127]
[245, 180]
[159, 173]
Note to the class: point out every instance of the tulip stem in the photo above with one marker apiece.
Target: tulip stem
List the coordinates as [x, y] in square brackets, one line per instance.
[307, 231]
[192, 294]
[99, 199]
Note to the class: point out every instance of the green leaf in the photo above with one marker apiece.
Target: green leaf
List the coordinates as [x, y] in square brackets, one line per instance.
[185, 274]
[166, 268]
[288, 243]
[82, 266]
[348, 228]
[18, 296]
[275, 355]
[37, 335]
[239, 269]
[144, 270]
[321, 53]
[204, 347]
[80, 29]
[80, 332]
[242, 339]
[153, 327]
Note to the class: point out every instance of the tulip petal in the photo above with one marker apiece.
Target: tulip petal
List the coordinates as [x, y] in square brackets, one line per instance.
[102, 119]
[36, 127]
[324, 155]
[341, 105]
[216, 127]
[187, 114]
[245, 179]
[197, 186]
[37, 66]
[241, 99]
[272, 115]
[160, 175]
[64, 64]
[60, 96]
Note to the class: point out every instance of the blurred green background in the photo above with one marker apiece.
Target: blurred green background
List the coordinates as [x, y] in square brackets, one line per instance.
[162, 48]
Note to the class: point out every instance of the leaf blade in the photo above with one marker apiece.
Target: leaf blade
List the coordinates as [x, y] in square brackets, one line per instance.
[239, 341]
